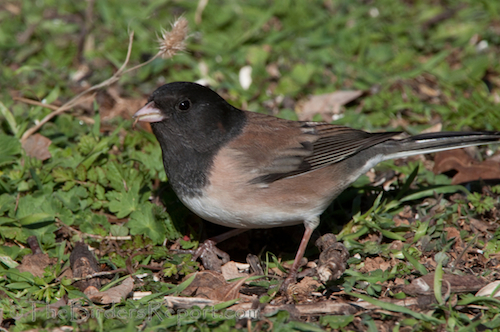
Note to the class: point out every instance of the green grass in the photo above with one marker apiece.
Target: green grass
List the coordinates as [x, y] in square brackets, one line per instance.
[102, 173]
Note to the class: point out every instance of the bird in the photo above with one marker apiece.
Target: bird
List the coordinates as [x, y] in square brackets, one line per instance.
[247, 170]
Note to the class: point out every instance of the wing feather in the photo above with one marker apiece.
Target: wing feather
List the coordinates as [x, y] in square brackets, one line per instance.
[292, 148]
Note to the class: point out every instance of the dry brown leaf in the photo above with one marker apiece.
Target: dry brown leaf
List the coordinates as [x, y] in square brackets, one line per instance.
[230, 271]
[458, 284]
[433, 129]
[304, 288]
[428, 262]
[480, 225]
[13, 8]
[81, 73]
[273, 70]
[212, 285]
[35, 264]
[327, 104]
[399, 282]
[452, 232]
[376, 263]
[404, 217]
[90, 290]
[397, 245]
[468, 169]
[427, 90]
[114, 294]
[37, 146]
[205, 284]
[489, 289]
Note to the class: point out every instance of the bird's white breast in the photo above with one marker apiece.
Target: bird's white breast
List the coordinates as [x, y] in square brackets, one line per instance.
[231, 214]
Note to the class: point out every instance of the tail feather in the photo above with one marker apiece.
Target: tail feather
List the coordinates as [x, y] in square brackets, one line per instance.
[435, 142]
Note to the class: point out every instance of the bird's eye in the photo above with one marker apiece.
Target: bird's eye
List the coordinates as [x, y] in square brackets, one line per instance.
[184, 105]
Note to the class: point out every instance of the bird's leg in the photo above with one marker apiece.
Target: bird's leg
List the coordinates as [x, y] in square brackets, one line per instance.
[212, 257]
[310, 225]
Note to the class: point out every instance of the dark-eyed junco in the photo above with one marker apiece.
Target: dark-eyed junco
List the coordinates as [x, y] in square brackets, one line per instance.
[248, 170]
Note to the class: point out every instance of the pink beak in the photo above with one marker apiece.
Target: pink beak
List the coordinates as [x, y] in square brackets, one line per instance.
[149, 113]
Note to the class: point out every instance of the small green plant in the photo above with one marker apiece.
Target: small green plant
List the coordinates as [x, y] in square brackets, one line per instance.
[481, 203]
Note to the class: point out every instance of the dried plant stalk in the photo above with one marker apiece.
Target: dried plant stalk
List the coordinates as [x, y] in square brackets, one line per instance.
[171, 42]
